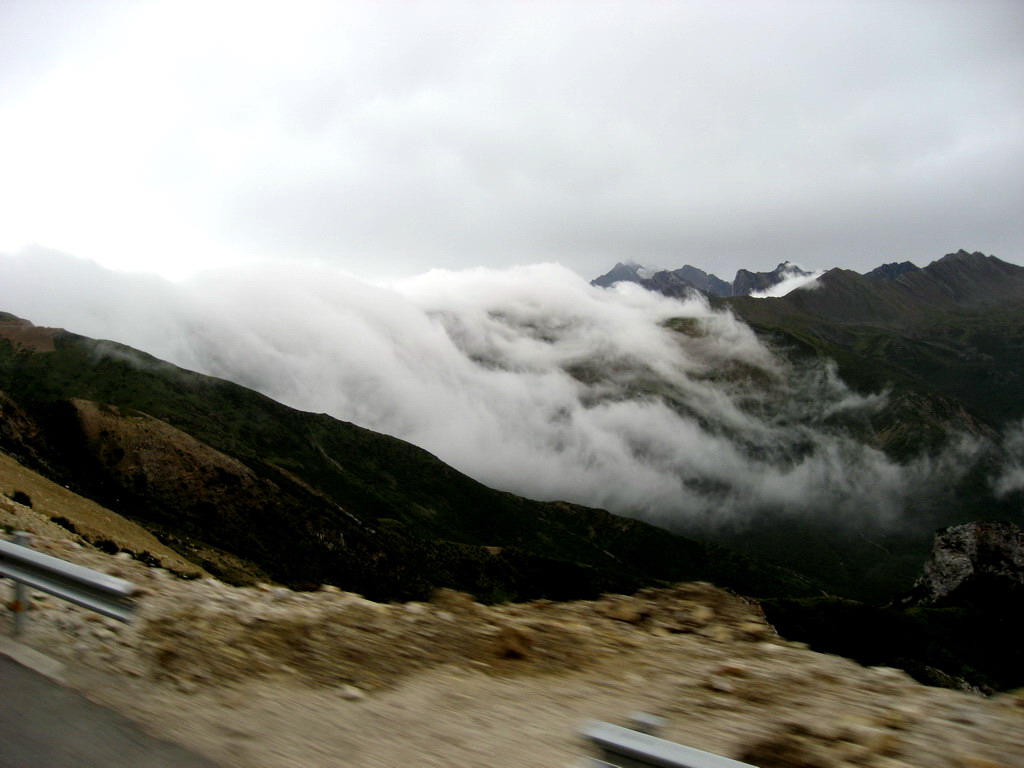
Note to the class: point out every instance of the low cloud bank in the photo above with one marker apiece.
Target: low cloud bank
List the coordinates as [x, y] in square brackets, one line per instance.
[1011, 479]
[792, 280]
[527, 379]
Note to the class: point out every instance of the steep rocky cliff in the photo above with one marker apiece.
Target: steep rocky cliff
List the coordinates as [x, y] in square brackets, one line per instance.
[980, 561]
[958, 627]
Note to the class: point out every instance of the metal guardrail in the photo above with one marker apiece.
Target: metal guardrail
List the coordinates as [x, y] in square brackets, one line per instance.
[99, 592]
[625, 748]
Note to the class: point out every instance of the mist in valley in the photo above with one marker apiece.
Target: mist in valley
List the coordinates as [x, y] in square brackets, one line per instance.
[527, 379]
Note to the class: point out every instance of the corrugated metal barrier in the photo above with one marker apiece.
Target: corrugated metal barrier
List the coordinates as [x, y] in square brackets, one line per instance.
[107, 595]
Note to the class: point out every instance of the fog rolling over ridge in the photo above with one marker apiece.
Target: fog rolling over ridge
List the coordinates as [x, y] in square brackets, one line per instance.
[528, 379]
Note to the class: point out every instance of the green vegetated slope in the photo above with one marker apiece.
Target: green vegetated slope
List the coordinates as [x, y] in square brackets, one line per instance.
[947, 344]
[954, 328]
[243, 485]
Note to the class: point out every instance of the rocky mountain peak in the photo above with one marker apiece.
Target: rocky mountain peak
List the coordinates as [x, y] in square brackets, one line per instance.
[677, 282]
[892, 270]
[980, 560]
[962, 255]
[704, 281]
[748, 282]
[629, 272]
[966, 279]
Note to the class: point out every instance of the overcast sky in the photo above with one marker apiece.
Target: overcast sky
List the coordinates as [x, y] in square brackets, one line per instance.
[392, 138]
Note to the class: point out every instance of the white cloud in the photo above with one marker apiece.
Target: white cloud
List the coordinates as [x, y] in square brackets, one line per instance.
[1011, 479]
[792, 280]
[389, 138]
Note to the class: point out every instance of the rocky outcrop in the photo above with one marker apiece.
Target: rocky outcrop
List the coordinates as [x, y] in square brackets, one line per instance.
[980, 561]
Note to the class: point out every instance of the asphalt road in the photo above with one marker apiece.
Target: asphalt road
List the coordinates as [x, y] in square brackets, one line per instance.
[44, 725]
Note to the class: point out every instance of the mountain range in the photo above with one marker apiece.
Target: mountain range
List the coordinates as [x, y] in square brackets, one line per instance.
[954, 327]
[946, 344]
[678, 282]
[249, 490]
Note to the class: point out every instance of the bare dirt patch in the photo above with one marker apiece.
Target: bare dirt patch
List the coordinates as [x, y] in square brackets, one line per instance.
[22, 333]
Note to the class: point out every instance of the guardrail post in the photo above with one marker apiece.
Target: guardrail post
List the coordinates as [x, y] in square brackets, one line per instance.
[626, 748]
[643, 722]
[20, 604]
[31, 570]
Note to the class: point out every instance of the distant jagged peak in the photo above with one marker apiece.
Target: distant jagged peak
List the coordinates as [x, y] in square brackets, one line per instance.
[968, 278]
[962, 255]
[630, 272]
[704, 281]
[892, 270]
[645, 273]
[748, 282]
[977, 262]
[960, 281]
[679, 282]
[656, 279]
